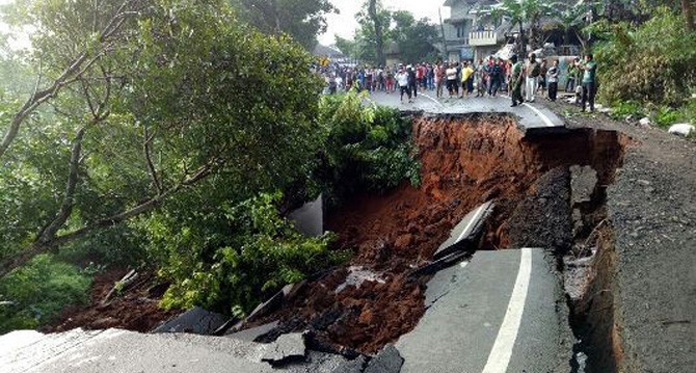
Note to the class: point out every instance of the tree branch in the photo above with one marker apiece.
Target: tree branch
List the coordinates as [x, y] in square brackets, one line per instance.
[148, 159]
[40, 247]
[75, 70]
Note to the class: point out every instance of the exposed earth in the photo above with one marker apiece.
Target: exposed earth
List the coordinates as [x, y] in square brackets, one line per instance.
[628, 248]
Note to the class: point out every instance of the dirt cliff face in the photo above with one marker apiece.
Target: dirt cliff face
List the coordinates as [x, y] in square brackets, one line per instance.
[466, 160]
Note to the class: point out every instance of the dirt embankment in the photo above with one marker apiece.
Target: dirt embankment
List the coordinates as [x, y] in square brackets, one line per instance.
[466, 160]
[137, 309]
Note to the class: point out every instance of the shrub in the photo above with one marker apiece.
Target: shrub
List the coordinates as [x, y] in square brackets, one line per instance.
[35, 294]
[655, 62]
[369, 148]
[622, 109]
[233, 269]
[666, 116]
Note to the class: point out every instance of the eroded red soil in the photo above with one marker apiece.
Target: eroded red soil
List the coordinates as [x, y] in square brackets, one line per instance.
[137, 309]
[465, 162]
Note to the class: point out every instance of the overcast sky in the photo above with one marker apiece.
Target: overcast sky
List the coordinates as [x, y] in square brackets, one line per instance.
[344, 24]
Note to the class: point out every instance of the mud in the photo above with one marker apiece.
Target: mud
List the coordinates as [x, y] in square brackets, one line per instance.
[137, 309]
[466, 160]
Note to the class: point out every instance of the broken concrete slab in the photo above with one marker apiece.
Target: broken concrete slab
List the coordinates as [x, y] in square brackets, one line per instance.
[271, 304]
[287, 348]
[440, 264]
[467, 305]
[196, 320]
[309, 219]
[250, 335]
[388, 360]
[356, 365]
[467, 229]
[583, 182]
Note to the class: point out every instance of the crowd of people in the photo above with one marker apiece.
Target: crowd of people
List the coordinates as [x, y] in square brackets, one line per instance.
[523, 80]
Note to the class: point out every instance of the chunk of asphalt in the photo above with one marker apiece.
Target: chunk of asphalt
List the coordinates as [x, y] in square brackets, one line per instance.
[286, 349]
[583, 181]
[442, 263]
[271, 304]
[352, 366]
[465, 231]
[388, 360]
[196, 320]
[250, 335]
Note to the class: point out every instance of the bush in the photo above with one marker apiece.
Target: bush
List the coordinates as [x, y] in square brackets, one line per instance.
[369, 148]
[655, 62]
[232, 269]
[35, 294]
[622, 109]
[667, 116]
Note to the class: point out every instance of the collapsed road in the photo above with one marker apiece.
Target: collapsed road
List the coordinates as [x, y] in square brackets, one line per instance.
[431, 288]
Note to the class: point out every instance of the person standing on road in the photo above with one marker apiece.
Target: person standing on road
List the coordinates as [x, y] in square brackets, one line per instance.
[412, 81]
[553, 81]
[467, 80]
[589, 86]
[496, 77]
[438, 79]
[542, 77]
[571, 70]
[481, 77]
[402, 79]
[452, 80]
[533, 71]
[431, 77]
[516, 79]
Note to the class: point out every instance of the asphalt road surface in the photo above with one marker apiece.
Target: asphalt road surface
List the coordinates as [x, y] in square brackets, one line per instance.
[532, 117]
[502, 312]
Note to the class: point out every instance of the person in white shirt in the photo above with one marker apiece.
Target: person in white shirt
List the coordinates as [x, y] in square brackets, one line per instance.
[402, 80]
[452, 80]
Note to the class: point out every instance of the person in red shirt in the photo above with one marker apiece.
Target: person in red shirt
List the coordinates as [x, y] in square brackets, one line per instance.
[419, 76]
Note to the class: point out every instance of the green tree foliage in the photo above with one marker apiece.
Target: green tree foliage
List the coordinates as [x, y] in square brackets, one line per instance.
[161, 113]
[369, 148]
[654, 62]
[366, 39]
[301, 19]
[415, 38]
[36, 293]
[232, 258]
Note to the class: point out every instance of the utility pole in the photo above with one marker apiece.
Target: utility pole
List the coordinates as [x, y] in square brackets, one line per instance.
[444, 38]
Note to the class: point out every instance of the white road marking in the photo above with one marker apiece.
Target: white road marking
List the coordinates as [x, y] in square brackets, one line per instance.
[477, 214]
[543, 116]
[432, 99]
[501, 353]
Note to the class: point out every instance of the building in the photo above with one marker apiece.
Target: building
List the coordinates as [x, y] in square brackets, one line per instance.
[469, 32]
[457, 29]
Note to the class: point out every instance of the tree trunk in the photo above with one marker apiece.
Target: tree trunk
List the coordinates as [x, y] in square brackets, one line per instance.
[379, 32]
[688, 15]
[276, 17]
[522, 45]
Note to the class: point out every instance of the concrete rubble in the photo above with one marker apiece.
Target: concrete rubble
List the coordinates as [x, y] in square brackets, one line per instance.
[196, 321]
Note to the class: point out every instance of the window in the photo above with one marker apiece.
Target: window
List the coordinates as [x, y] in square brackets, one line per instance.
[461, 31]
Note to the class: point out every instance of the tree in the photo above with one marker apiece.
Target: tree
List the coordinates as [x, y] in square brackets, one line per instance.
[415, 39]
[301, 19]
[572, 18]
[521, 13]
[81, 57]
[379, 31]
[368, 45]
[157, 118]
